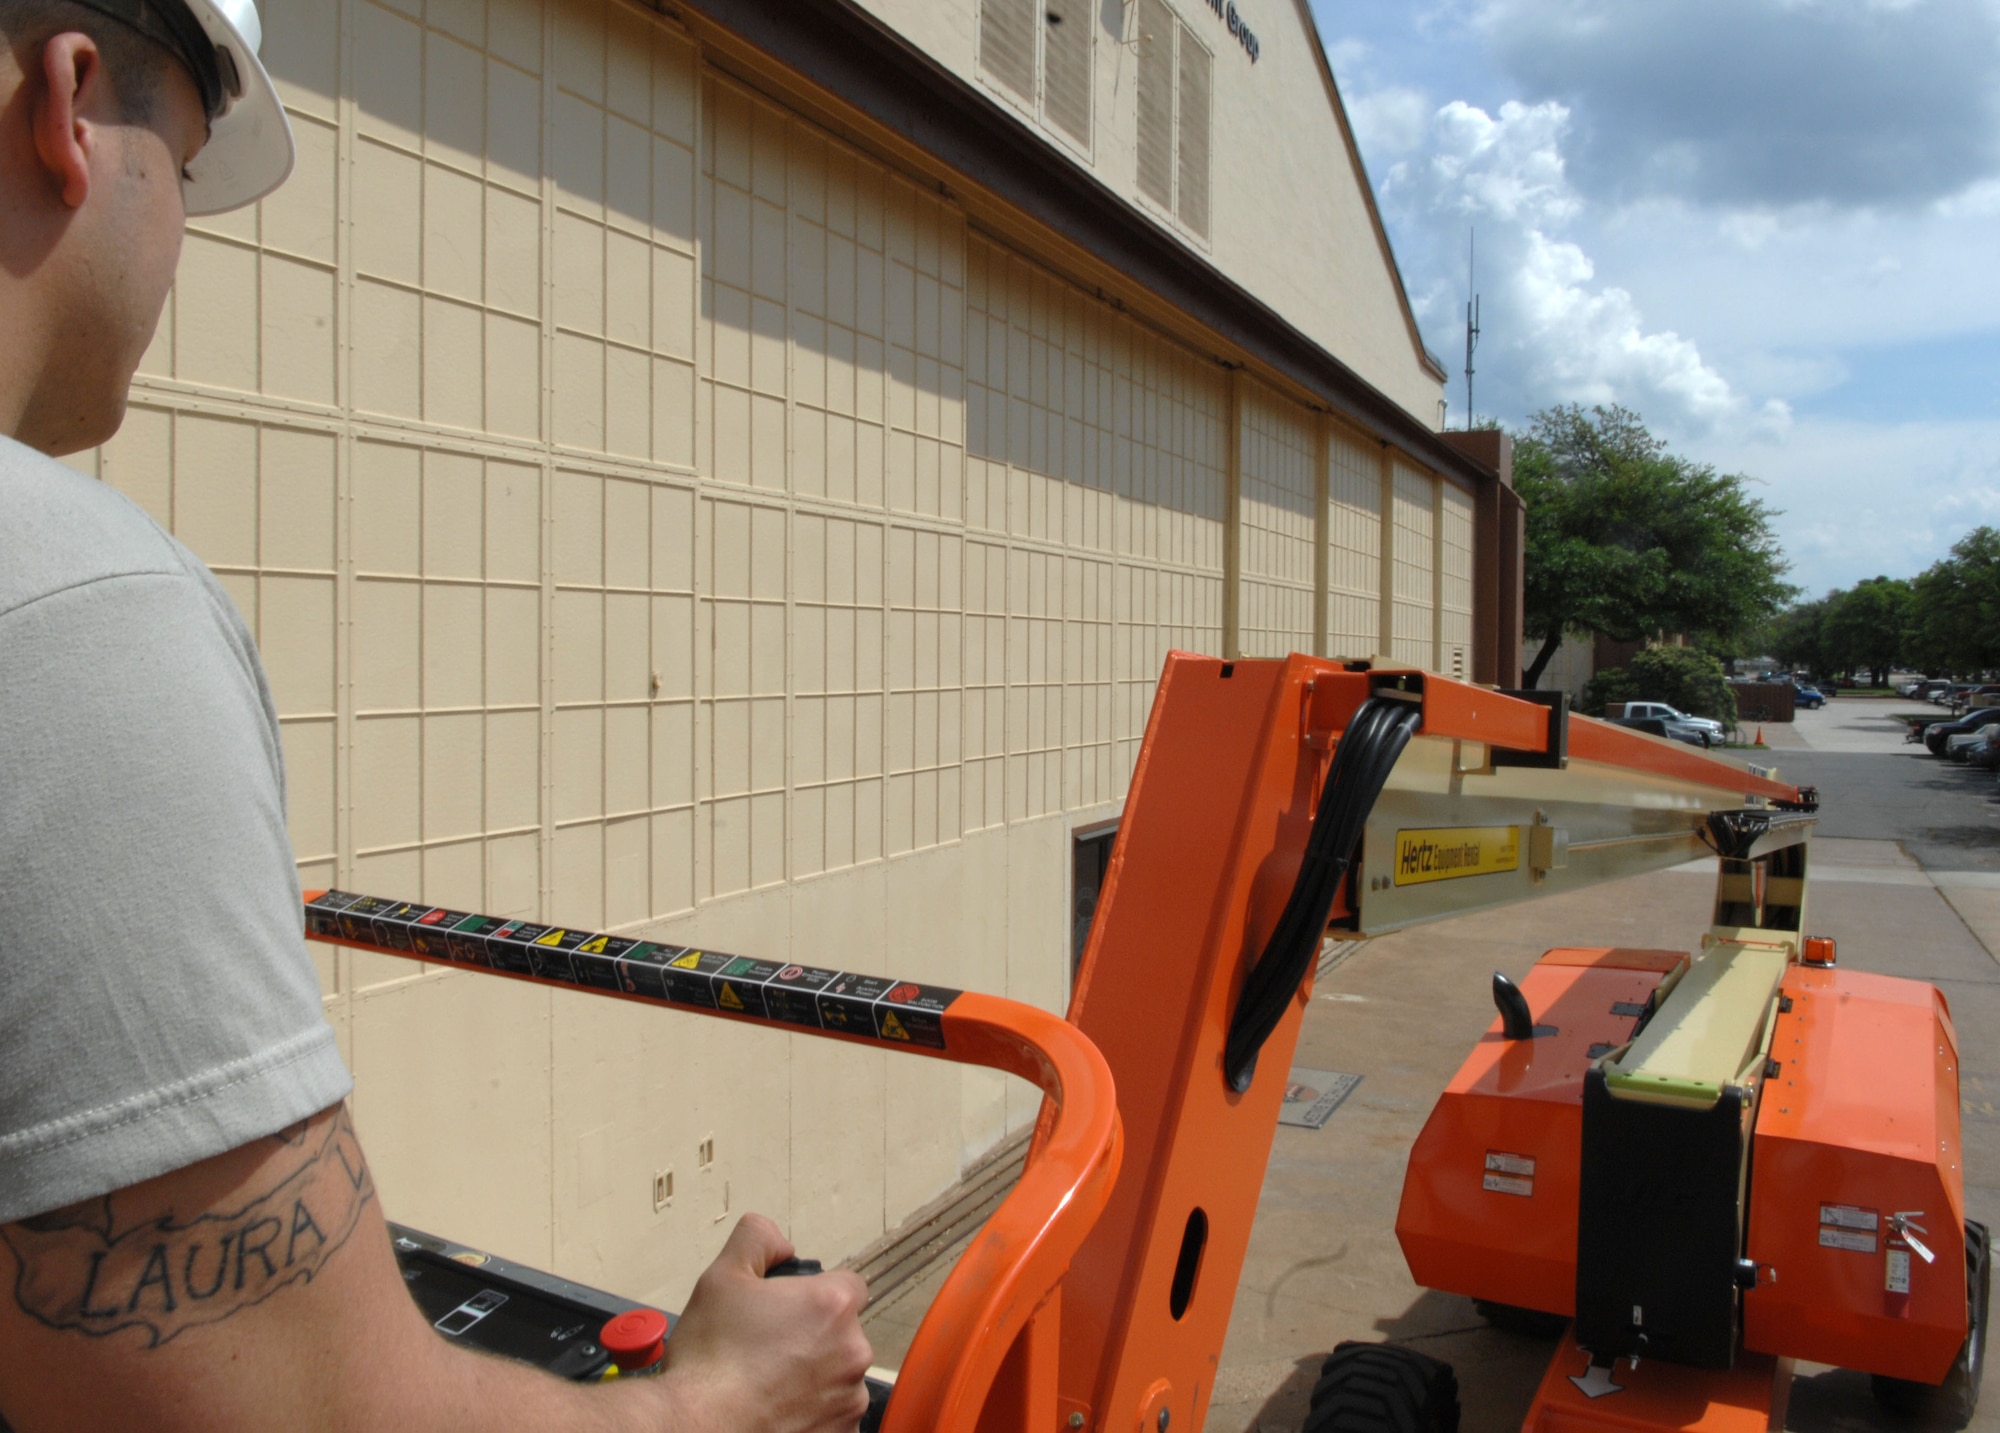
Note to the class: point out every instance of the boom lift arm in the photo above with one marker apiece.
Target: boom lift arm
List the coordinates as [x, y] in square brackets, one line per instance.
[1273, 802]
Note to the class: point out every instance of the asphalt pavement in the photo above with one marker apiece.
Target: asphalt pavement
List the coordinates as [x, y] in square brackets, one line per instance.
[1878, 787]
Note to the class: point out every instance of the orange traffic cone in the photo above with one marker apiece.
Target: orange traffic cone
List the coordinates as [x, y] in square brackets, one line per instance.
[1760, 735]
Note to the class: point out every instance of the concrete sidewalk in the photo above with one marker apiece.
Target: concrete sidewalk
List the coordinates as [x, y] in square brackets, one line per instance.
[1404, 1010]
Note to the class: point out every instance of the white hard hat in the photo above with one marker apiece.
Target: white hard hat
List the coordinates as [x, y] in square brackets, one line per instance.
[250, 150]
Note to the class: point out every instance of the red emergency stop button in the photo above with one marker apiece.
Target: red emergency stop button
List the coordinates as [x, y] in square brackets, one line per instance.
[1820, 950]
[636, 1339]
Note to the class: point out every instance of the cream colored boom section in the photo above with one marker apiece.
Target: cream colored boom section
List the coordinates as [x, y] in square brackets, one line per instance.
[1452, 833]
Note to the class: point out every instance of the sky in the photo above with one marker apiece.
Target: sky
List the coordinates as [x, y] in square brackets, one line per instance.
[1770, 227]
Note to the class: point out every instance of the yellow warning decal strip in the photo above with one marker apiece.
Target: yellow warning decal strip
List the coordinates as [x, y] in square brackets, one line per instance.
[1448, 853]
[901, 1012]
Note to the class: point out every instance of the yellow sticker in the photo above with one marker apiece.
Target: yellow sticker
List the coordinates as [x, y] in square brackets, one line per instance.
[729, 999]
[1446, 853]
[554, 937]
[892, 1028]
[690, 961]
[594, 947]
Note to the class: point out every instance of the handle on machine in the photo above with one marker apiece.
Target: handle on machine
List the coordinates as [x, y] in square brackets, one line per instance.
[1015, 1264]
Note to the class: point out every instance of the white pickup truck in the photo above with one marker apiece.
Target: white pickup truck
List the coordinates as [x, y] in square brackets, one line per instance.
[1696, 731]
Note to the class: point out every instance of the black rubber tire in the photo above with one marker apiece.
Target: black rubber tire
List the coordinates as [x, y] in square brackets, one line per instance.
[1529, 1323]
[1952, 1403]
[1383, 1388]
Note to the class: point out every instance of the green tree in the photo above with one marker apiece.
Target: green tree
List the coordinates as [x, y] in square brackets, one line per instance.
[1628, 539]
[1682, 677]
[1795, 636]
[1954, 611]
[1866, 628]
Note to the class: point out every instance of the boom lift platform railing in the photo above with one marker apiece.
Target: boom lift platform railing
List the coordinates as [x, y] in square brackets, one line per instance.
[1274, 803]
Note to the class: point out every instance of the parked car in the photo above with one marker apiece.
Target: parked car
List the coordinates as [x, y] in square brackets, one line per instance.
[1986, 753]
[1696, 731]
[1938, 733]
[1959, 745]
[1811, 698]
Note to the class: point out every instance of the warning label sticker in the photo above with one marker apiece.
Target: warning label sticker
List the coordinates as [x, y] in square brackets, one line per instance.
[1849, 1216]
[467, 939]
[847, 1004]
[690, 977]
[392, 927]
[1507, 1184]
[507, 947]
[1447, 853]
[550, 954]
[934, 998]
[792, 995]
[1849, 1239]
[639, 969]
[1500, 1162]
[357, 921]
[596, 960]
[910, 1025]
[431, 935]
[1898, 1281]
[323, 913]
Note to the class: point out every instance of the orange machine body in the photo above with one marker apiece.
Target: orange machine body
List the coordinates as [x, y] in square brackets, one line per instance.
[1860, 1123]
[1098, 1296]
[1752, 1397]
[1489, 1204]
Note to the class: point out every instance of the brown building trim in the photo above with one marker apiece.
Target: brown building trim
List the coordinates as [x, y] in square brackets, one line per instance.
[850, 54]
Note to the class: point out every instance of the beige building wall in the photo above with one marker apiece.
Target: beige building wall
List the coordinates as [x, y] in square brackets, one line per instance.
[659, 514]
[1278, 534]
[1454, 599]
[1282, 159]
[1413, 529]
[1354, 516]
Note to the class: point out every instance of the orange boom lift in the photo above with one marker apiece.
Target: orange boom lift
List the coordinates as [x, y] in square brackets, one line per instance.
[1276, 803]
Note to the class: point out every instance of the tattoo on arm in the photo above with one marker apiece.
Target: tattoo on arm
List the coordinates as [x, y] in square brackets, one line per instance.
[79, 1270]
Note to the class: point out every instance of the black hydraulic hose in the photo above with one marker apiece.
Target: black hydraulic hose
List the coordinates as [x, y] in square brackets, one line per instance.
[1361, 765]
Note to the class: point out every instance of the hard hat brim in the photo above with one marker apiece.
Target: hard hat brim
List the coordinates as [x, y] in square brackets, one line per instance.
[250, 149]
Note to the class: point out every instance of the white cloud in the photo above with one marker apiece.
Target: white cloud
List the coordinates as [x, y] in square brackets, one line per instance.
[1551, 332]
[1708, 212]
[1862, 499]
[1391, 121]
[1759, 103]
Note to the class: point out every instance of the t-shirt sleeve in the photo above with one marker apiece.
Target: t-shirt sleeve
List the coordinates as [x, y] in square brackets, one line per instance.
[159, 1004]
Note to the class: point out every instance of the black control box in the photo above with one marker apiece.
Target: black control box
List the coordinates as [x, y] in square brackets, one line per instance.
[498, 1306]
[501, 1307]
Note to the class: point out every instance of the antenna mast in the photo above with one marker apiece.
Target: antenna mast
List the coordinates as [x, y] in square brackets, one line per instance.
[1471, 319]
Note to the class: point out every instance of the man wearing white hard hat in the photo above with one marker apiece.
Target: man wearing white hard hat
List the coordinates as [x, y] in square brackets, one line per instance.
[189, 1237]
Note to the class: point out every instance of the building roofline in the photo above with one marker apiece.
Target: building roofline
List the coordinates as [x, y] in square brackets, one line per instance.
[852, 55]
[1430, 361]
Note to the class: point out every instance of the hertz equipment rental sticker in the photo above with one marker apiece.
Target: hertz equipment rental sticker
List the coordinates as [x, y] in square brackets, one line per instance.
[1446, 853]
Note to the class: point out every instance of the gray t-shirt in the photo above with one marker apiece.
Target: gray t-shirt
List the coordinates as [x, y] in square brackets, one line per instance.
[157, 1005]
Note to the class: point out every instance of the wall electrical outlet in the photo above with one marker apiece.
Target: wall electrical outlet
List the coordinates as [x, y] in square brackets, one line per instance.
[663, 1190]
[705, 1152]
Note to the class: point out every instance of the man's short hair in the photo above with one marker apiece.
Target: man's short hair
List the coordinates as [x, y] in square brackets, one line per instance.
[136, 64]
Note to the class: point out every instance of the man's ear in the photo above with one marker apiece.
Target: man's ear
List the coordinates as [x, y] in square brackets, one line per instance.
[74, 88]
